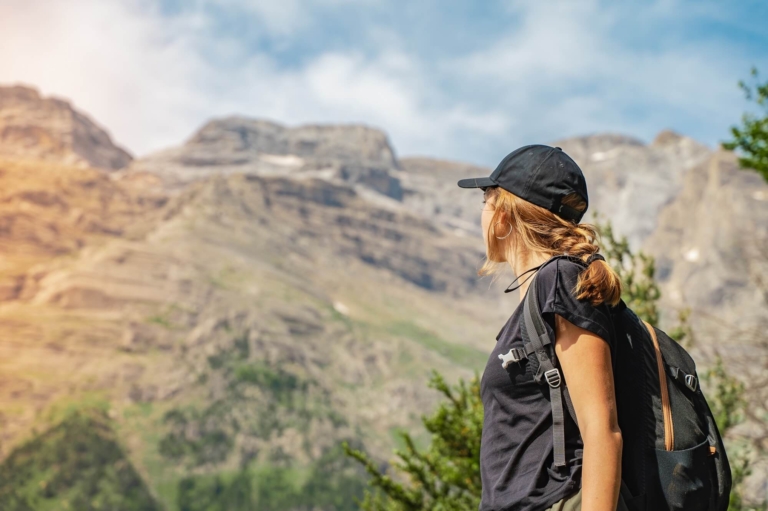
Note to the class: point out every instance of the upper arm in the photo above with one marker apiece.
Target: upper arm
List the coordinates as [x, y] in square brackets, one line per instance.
[585, 360]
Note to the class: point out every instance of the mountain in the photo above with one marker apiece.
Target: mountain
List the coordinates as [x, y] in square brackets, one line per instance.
[243, 302]
[247, 318]
[351, 153]
[429, 189]
[259, 319]
[50, 129]
[711, 240]
[630, 182]
[50, 210]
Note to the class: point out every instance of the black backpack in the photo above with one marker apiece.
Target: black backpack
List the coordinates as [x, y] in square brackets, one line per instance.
[673, 456]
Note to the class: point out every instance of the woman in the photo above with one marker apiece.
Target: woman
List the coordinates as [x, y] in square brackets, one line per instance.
[534, 201]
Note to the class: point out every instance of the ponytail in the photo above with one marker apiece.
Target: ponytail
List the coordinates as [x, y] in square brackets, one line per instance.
[599, 284]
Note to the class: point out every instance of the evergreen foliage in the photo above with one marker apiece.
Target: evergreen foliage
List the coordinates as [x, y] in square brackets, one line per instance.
[255, 399]
[727, 402]
[726, 397]
[77, 464]
[334, 483]
[447, 476]
[751, 138]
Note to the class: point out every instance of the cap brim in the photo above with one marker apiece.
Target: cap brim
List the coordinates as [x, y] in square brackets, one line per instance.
[476, 182]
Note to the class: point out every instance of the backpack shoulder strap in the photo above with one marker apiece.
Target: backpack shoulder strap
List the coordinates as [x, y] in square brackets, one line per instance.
[539, 344]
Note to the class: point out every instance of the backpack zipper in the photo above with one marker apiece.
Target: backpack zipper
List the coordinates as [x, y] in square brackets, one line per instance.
[666, 408]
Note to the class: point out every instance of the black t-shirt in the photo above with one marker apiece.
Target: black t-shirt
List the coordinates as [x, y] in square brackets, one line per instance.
[516, 453]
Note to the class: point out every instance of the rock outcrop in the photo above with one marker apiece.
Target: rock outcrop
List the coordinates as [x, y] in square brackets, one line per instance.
[237, 139]
[711, 246]
[429, 189]
[50, 129]
[630, 182]
[352, 153]
[50, 210]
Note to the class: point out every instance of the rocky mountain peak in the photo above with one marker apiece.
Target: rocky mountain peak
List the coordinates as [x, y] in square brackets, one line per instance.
[351, 153]
[596, 143]
[667, 137]
[327, 142]
[32, 126]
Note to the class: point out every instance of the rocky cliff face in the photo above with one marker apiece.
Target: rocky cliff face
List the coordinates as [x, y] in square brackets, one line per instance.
[50, 210]
[236, 139]
[711, 240]
[429, 189]
[630, 182]
[352, 154]
[50, 129]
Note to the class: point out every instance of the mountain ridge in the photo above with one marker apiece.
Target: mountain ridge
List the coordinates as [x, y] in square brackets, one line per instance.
[300, 283]
[32, 126]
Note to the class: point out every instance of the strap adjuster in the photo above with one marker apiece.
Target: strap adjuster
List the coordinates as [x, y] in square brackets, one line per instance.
[553, 378]
[691, 382]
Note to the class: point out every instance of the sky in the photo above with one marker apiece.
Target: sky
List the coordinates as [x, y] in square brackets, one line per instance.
[462, 80]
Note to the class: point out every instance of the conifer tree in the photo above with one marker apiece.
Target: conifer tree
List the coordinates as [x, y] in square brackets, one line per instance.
[446, 477]
[751, 138]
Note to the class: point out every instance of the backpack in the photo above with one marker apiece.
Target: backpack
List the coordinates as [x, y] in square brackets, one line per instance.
[673, 456]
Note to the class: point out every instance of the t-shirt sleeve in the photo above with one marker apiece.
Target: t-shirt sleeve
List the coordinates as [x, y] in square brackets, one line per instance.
[556, 296]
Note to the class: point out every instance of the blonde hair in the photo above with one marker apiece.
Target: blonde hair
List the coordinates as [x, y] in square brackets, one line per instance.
[534, 229]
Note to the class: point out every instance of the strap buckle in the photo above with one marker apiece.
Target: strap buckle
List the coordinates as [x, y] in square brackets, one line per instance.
[514, 355]
[553, 378]
[691, 382]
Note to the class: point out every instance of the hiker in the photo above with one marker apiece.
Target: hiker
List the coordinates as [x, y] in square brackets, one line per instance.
[534, 201]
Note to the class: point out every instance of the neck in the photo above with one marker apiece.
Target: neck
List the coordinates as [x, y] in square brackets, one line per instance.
[523, 262]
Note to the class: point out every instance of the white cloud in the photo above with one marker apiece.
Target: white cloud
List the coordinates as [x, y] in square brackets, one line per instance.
[565, 72]
[129, 69]
[385, 92]
[280, 17]
[560, 69]
[143, 76]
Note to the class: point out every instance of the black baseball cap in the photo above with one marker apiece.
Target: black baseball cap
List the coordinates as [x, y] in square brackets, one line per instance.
[539, 174]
